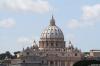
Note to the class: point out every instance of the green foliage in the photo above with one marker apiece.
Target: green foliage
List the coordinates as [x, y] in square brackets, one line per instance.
[4, 55]
[15, 54]
[8, 55]
[86, 52]
[86, 62]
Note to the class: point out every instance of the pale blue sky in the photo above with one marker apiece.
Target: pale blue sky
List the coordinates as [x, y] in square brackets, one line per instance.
[21, 22]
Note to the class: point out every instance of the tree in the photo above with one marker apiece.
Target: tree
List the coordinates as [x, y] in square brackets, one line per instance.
[86, 62]
[15, 54]
[4, 55]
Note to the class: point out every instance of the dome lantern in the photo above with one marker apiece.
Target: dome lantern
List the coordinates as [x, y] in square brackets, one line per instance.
[52, 21]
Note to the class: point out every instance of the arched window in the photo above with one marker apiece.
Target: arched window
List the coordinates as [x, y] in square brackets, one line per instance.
[42, 44]
[51, 62]
[47, 43]
[51, 44]
[56, 44]
[23, 61]
[75, 54]
[27, 53]
[42, 62]
[46, 54]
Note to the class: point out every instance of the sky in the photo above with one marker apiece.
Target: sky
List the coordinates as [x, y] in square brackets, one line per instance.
[22, 21]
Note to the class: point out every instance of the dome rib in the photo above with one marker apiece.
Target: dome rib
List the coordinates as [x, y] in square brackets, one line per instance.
[52, 32]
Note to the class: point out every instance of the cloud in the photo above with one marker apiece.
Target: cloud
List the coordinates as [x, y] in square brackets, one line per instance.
[90, 16]
[73, 24]
[91, 11]
[24, 40]
[7, 23]
[39, 6]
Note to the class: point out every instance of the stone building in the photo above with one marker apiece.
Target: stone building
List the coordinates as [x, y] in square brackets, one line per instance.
[52, 50]
[94, 54]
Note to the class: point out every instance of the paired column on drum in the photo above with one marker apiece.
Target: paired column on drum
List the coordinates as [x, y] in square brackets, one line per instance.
[65, 63]
[58, 63]
[48, 63]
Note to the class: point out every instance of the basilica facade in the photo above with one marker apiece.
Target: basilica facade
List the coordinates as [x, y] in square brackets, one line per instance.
[52, 50]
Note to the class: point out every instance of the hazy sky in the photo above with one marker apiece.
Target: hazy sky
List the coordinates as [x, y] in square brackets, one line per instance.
[22, 21]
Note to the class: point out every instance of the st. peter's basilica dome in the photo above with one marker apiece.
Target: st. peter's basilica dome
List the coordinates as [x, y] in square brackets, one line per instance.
[52, 31]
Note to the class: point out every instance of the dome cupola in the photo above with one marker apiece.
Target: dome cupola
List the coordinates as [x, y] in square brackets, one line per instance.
[52, 36]
[52, 32]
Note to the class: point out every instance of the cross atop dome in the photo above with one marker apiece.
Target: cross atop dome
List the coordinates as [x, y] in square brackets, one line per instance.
[52, 21]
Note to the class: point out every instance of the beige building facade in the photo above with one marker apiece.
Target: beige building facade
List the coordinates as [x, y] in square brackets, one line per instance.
[52, 50]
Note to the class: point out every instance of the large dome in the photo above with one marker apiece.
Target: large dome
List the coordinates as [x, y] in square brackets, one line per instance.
[52, 31]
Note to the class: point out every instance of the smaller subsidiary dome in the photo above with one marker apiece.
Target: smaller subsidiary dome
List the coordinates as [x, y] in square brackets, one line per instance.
[52, 31]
